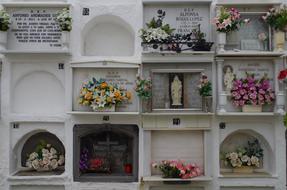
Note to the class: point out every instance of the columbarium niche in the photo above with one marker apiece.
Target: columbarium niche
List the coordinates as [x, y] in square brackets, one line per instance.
[106, 153]
[239, 139]
[35, 144]
[189, 147]
[108, 36]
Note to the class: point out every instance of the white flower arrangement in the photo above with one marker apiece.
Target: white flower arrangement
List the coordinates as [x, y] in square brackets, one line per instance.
[153, 34]
[46, 158]
[65, 20]
[245, 156]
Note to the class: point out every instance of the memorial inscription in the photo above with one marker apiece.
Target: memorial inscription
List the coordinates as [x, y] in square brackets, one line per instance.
[184, 18]
[34, 28]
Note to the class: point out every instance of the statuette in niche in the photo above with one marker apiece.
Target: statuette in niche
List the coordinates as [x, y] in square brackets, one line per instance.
[176, 91]
[228, 78]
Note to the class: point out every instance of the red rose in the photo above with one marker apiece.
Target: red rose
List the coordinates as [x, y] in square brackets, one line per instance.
[282, 75]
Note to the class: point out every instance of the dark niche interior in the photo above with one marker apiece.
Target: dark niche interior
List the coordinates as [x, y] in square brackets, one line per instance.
[106, 153]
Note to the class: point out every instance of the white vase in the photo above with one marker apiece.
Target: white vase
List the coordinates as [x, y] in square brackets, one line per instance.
[65, 38]
[279, 40]
[107, 109]
[221, 41]
[252, 108]
[3, 40]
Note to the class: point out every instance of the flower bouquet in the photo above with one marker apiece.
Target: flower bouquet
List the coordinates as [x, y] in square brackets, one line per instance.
[244, 159]
[282, 75]
[228, 20]
[102, 96]
[65, 20]
[156, 31]
[4, 20]
[96, 164]
[143, 88]
[205, 90]
[277, 19]
[45, 158]
[177, 169]
[249, 92]
[4, 26]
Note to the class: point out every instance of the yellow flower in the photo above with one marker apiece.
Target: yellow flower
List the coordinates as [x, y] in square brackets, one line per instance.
[129, 95]
[109, 99]
[117, 94]
[111, 88]
[104, 85]
[88, 96]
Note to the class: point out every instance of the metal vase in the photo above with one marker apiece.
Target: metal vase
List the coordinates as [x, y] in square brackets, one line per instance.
[206, 103]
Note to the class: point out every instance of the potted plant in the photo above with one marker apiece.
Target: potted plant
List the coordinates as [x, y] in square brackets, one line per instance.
[4, 27]
[226, 21]
[144, 91]
[65, 22]
[199, 43]
[45, 158]
[102, 96]
[251, 94]
[205, 91]
[177, 169]
[277, 19]
[244, 159]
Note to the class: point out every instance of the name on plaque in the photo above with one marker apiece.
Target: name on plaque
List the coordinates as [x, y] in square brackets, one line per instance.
[34, 28]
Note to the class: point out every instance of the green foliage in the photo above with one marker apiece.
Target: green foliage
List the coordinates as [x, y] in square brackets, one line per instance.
[42, 144]
[277, 18]
[143, 88]
[206, 89]
[4, 20]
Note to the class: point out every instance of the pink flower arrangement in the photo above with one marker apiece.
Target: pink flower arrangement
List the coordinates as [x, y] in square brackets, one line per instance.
[249, 91]
[177, 169]
[228, 20]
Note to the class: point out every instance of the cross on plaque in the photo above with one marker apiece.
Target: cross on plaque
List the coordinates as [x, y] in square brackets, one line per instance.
[108, 143]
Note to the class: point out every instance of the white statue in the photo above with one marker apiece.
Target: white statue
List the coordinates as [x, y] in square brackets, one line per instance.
[228, 78]
[176, 91]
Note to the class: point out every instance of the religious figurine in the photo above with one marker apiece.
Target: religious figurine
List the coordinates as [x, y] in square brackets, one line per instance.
[228, 78]
[176, 91]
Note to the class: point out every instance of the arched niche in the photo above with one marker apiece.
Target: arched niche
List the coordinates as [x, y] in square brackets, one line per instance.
[108, 35]
[38, 92]
[240, 138]
[29, 143]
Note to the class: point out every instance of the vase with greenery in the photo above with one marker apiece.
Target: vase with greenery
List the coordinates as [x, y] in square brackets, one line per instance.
[144, 91]
[205, 91]
[228, 20]
[65, 23]
[277, 19]
[4, 27]
[199, 42]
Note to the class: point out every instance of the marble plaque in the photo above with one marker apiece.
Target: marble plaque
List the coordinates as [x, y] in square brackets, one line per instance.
[124, 78]
[259, 68]
[184, 18]
[34, 29]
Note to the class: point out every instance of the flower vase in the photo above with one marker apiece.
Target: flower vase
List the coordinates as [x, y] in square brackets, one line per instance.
[65, 38]
[206, 103]
[279, 40]
[3, 40]
[243, 170]
[221, 41]
[42, 169]
[252, 108]
[106, 109]
[146, 105]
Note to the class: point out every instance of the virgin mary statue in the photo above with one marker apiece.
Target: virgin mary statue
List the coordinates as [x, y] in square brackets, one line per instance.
[176, 91]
